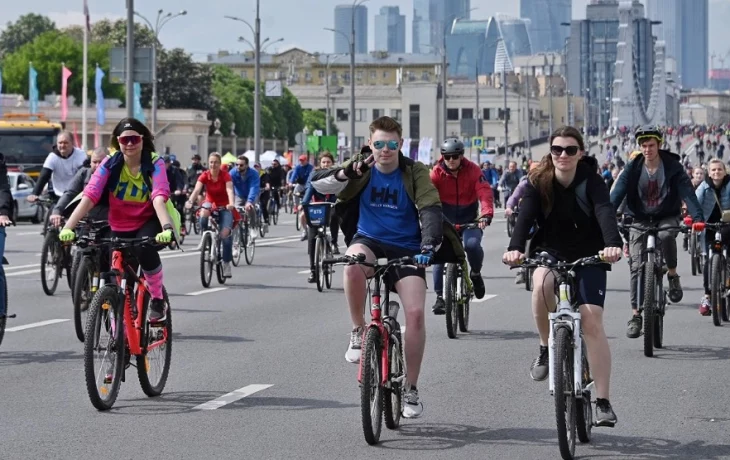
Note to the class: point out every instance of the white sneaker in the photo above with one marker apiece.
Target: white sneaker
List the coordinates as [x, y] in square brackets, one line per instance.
[412, 407]
[227, 269]
[354, 349]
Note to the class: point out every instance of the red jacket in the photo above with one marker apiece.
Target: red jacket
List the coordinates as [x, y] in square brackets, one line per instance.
[461, 195]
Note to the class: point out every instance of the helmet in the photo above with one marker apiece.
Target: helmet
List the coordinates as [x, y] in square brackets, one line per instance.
[303, 158]
[452, 146]
[649, 131]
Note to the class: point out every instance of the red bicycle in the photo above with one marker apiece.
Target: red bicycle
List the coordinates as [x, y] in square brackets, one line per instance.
[382, 369]
[118, 328]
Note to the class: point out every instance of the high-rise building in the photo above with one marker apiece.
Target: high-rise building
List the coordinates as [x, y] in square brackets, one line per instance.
[433, 18]
[545, 17]
[685, 29]
[343, 23]
[390, 30]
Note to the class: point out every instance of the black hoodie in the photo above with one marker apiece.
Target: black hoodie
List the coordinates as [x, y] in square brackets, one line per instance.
[567, 231]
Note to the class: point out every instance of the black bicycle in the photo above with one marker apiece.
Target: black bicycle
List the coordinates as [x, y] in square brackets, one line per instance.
[55, 258]
[318, 217]
[458, 292]
[88, 273]
[273, 206]
[243, 241]
[696, 253]
[718, 275]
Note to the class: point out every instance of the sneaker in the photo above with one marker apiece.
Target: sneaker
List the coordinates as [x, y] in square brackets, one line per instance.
[335, 250]
[304, 236]
[439, 307]
[355, 348]
[634, 329]
[412, 407]
[705, 307]
[312, 277]
[519, 277]
[157, 311]
[604, 413]
[227, 270]
[539, 367]
[675, 289]
[478, 283]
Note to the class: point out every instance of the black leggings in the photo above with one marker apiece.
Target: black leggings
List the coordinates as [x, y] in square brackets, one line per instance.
[148, 258]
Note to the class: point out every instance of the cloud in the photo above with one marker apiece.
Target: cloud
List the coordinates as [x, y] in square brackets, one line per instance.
[76, 18]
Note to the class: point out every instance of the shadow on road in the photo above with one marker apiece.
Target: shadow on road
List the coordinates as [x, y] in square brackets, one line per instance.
[274, 403]
[431, 437]
[176, 336]
[191, 310]
[690, 352]
[499, 335]
[10, 358]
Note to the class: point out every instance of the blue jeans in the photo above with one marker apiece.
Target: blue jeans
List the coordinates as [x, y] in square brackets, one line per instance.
[3, 286]
[472, 238]
[225, 220]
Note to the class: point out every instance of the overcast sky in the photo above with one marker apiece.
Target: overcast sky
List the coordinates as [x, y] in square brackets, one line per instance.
[298, 22]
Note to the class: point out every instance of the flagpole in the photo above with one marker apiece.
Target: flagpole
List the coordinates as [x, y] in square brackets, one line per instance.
[85, 89]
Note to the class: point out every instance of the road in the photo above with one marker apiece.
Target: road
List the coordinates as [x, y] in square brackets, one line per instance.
[274, 337]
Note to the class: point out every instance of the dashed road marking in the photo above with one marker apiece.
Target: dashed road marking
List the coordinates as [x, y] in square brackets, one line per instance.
[24, 272]
[207, 291]
[38, 324]
[231, 397]
[485, 298]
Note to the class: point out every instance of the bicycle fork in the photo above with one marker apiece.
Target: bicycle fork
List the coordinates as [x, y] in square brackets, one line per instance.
[566, 317]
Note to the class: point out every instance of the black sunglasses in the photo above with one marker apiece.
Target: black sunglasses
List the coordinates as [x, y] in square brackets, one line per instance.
[451, 156]
[558, 150]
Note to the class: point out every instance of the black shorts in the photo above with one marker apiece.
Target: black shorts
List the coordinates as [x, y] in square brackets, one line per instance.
[590, 285]
[381, 250]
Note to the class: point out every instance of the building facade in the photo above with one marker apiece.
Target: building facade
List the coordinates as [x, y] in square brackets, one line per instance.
[545, 17]
[343, 23]
[432, 18]
[390, 30]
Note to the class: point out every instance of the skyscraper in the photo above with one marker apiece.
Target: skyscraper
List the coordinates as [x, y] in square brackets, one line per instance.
[545, 17]
[431, 18]
[390, 30]
[343, 23]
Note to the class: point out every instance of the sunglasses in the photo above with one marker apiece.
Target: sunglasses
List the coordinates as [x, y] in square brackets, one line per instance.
[451, 156]
[380, 145]
[558, 150]
[126, 140]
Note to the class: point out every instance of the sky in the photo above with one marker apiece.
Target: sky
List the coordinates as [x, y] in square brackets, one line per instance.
[300, 23]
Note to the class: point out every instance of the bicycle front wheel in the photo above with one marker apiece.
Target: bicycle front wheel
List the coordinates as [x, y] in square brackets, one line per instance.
[464, 305]
[565, 415]
[238, 245]
[4, 316]
[371, 394]
[694, 258]
[716, 288]
[82, 295]
[393, 394]
[153, 365]
[51, 263]
[649, 303]
[206, 260]
[318, 258]
[451, 301]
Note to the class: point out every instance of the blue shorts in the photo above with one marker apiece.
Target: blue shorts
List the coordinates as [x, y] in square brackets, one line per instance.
[590, 285]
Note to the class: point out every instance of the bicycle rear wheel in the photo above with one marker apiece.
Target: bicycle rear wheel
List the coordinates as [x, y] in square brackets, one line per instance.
[716, 288]
[451, 301]
[238, 245]
[51, 265]
[464, 305]
[105, 341]
[4, 316]
[153, 366]
[371, 394]
[329, 270]
[693, 254]
[206, 262]
[649, 302]
[393, 391]
[565, 407]
[249, 247]
[82, 295]
[319, 266]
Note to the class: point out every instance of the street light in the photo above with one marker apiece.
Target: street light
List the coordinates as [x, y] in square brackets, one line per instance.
[257, 90]
[328, 62]
[160, 22]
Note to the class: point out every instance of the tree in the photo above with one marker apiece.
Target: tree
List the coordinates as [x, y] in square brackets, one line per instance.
[115, 33]
[182, 82]
[315, 119]
[23, 31]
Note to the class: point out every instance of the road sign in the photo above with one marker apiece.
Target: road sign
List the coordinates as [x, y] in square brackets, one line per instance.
[273, 88]
[142, 65]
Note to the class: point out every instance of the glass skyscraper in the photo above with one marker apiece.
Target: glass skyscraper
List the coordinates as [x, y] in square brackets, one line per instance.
[343, 23]
[431, 18]
[545, 17]
[390, 30]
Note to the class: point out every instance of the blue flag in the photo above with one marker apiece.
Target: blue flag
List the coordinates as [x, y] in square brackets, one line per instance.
[138, 111]
[100, 113]
[33, 90]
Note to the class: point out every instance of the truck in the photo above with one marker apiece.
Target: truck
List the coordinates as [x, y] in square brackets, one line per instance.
[26, 140]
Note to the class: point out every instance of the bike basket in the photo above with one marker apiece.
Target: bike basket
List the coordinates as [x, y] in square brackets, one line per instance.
[318, 214]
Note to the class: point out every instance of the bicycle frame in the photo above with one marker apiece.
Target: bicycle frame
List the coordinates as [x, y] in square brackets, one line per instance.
[568, 316]
[377, 315]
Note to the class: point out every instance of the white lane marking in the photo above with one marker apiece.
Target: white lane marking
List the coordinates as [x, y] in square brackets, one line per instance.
[207, 291]
[38, 324]
[24, 272]
[231, 397]
[303, 272]
[271, 243]
[485, 298]
[16, 267]
[37, 232]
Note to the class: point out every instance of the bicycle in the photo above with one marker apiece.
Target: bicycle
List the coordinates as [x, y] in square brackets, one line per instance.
[458, 292]
[289, 201]
[243, 241]
[191, 222]
[210, 252]
[120, 309]
[696, 253]
[88, 273]
[260, 224]
[273, 206]
[318, 217]
[297, 208]
[718, 275]
[4, 316]
[382, 376]
[651, 295]
[569, 377]
[55, 257]
[511, 221]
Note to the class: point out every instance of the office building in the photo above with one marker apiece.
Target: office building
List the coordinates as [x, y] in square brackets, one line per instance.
[545, 17]
[390, 30]
[433, 18]
[343, 23]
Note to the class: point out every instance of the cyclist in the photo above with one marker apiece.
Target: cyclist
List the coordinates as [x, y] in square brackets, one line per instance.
[568, 233]
[714, 197]
[326, 160]
[134, 180]
[513, 203]
[392, 210]
[59, 168]
[195, 170]
[465, 196]
[177, 183]
[219, 193]
[247, 186]
[509, 180]
[265, 193]
[277, 179]
[76, 187]
[654, 185]
[299, 177]
[6, 218]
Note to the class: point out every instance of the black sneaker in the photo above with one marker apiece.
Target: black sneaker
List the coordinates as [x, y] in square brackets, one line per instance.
[157, 311]
[312, 277]
[539, 367]
[478, 283]
[604, 413]
[335, 249]
[675, 289]
[439, 308]
[634, 329]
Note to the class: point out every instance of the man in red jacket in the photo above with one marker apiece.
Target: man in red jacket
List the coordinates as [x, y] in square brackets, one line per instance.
[465, 197]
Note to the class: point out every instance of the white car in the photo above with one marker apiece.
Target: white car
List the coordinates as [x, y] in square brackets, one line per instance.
[21, 185]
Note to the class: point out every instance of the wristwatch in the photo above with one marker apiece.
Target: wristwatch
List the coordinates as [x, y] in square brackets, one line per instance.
[167, 227]
[426, 248]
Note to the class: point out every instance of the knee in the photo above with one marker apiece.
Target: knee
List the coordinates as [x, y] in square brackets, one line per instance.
[592, 326]
[354, 273]
[225, 232]
[415, 318]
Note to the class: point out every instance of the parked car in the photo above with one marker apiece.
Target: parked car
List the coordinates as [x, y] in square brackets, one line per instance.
[21, 185]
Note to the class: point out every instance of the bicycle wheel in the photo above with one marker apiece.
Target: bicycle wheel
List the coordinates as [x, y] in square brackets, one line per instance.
[219, 263]
[67, 264]
[238, 245]
[262, 230]
[565, 410]
[510, 227]
[189, 222]
[330, 269]
[74, 270]
[206, 260]
[249, 247]
[50, 264]
[104, 340]
[82, 295]
[153, 365]
[371, 395]
[583, 408]
[297, 223]
[464, 305]
[275, 214]
[716, 288]
[725, 306]
[451, 301]
[693, 253]
[393, 391]
[319, 266]
[649, 303]
[4, 316]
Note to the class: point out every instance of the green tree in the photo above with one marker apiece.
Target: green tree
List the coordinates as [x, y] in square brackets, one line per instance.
[23, 31]
[315, 119]
[115, 33]
[182, 82]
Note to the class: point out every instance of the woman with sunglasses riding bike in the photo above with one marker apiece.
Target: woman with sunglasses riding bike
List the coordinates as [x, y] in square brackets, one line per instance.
[135, 181]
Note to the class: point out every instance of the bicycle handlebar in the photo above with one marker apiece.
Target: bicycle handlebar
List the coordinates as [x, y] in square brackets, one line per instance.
[544, 260]
[120, 243]
[468, 226]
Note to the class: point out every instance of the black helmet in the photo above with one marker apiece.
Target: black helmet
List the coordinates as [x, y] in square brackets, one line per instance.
[452, 146]
[647, 131]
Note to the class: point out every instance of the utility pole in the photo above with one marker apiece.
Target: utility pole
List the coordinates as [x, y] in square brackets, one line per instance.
[355, 5]
[444, 81]
[552, 64]
[257, 92]
[130, 59]
[476, 115]
[529, 118]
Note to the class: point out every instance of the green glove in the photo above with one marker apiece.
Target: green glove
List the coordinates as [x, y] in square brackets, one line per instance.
[164, 236]
[67, 235]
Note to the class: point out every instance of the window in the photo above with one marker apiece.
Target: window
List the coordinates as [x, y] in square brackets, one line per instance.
[467, 114]
[321, 74]
[486, 114]
[307, 76]
[346, 76]
[373, 74]
[334, 75]
[377, 113]
[269, 75]
[452, 114]
[359, 75]
[426, 75]
[415, 121]
[385, 74]
[244, 74]
[361, 114]
[396, 114]
[359, 142]
[342, 115]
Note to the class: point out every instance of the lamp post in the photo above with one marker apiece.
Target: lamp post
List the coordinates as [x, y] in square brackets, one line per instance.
[218, 134]
[159, 24]
[328, 62]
